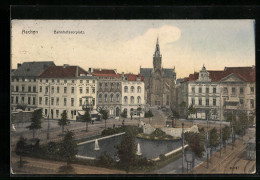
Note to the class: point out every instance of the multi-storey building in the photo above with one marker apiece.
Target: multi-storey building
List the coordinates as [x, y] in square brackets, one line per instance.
[133, 95]
[159, 81]
[109, 91]
[24, 86]
[69, 88]
[218, 92]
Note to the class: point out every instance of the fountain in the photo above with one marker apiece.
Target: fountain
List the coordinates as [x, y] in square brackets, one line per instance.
[138, 150]
[96, 145]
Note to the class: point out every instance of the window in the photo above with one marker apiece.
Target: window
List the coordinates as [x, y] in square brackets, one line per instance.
[252, 103]
[52, 80]
[200, 90]
[58, 89]
[193, 101]
[81, 81]
[233, 90]
[72, 101]
[93, 81]
[65, 81]
[34, 88]
[65, 102]
[80, 101]
[87, 90]
[12, 99]
[46, 89]
[207, 102]
[100, 98]
[40, 80]
[65, 90]
[16, 99]
[57, 113]
[214, 102]
[117, 98]
[125, 100]
[241, 91]
[80, 90]
[22, 99]
[214, 90]
[23, 79]
[34, 79]
[22, 88]
[93, 90]
[52, 89]
[17, 88]
[72, 90]
[207, 89]
[111, 85]
[52, 101]
[132, 100]
[46, 80]
[46, 100]
[34, 100]
[72, 81]
[100, 85]
[29, 100]
[225, 90]
[57, 101]
[126, 89]
[252, 89]
[46, 112]
[29, 88]
[117, 85]
[193, 89]
[111, 97]
[139, 100]
[105, 97]
[40, 100]
[139, 89]
[105, 85]
[241, 101]
[132, 89]
[200, 101]
[87, 81]
[58, 80]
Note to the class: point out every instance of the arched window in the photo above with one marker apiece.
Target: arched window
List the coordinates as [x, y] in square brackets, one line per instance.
[112, 85]
[117, 98]
[125, 100]
[139, 100]
[105, 97]
[111, 97]
[132, 100]
[126, 89]
[139, 89]
[132, 89]
[100, 98]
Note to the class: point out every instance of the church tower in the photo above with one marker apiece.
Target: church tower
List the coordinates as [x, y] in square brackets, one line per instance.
[157, 59]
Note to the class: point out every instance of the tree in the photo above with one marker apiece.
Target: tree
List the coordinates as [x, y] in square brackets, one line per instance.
[68, 148]
[139, 109]
[86, 118]
[21, 106]
[64, 120]
[127, 150]
[226, 132]
[191, 110]
[214, 139]
[175, 115]
[36, 121]
[104, 116]
[20, 149]
[182, 106]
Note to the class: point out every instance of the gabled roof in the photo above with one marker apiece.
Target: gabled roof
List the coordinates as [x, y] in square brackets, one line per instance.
[146, 72]
[104, 71]
[247, 72]
[32, 69]
[62, 72]
[133, 77]
[168, 72]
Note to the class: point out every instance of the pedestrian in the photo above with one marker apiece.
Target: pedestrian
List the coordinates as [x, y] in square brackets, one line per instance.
[123, 122]
[114, 126]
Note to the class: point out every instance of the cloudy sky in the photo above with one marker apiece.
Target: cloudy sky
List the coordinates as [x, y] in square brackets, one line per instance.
[126, 45]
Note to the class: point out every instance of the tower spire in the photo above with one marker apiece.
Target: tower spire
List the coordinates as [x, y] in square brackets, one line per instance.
[157, 48]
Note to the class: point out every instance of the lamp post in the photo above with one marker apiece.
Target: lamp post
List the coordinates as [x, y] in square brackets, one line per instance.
[48, 130]
[207, 143]
[182, 147]
[232, 132]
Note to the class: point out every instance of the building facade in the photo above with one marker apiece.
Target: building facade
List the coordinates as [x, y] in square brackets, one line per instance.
[159, 82]
[109, 91]
[133, 95]
[68, 88]
[24, 86]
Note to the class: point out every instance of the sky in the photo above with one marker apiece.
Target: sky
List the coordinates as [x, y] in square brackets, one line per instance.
[127, 45]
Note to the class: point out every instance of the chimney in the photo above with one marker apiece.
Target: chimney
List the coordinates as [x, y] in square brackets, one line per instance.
[65, 65]
[19, 65]
[77, 71]
[90, 69]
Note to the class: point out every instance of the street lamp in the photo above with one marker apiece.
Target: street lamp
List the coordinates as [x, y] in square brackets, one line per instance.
[207, 142]
[189, 159]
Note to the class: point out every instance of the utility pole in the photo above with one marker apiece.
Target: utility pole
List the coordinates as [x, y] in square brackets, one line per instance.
[48, 131]
[182, 147]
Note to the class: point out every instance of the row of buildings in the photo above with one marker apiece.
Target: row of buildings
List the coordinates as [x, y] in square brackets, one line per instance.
[217, 93]
[71, 88]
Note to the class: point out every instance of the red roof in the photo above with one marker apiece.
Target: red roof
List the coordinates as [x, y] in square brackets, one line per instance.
[62, 72]
[106, 75]
[245, 73]
[133, 77]
[104, 71]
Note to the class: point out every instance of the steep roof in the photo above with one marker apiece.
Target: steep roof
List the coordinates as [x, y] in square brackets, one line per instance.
[246, 72]
[104, 71]
[62, 72]
[146, 72]
[133, 77]
[32, 69]
[168, 72]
